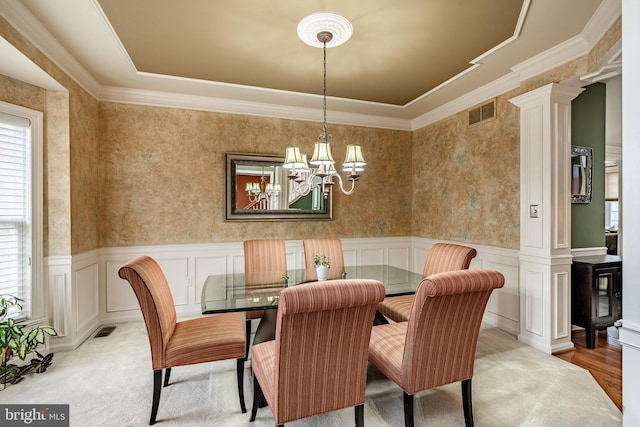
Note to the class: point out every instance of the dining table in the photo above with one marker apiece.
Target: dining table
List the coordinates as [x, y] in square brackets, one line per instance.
[238, 292]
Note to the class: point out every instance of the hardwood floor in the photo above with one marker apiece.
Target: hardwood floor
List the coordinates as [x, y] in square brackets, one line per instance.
[604, 362]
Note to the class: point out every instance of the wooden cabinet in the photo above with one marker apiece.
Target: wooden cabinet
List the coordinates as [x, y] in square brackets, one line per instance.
[596, 293]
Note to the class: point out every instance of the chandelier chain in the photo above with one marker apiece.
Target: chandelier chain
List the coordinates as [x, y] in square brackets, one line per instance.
[324, 103]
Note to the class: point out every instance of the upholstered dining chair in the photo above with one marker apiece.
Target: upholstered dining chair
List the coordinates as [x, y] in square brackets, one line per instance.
[330, 247]
[265, 263]
[442, 257]
[318, 361]
[437, 345]
[173, 343]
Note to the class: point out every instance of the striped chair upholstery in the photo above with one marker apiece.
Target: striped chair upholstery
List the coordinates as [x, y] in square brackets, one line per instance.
[442, 257]
[437, 345]
[265, 263]
[203, 339]
[330, 247]
[318, 361]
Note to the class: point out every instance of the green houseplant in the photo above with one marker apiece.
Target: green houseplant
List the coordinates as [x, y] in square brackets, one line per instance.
[322, 266]
[321, 260]
[16, 341]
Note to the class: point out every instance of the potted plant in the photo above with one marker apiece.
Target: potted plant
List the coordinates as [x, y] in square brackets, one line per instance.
[16, 341]
[322, 266]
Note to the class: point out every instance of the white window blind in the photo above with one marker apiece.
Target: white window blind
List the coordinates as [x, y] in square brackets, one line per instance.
[15, 207]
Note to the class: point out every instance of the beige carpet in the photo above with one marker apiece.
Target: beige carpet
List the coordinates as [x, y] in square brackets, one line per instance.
[108, 382]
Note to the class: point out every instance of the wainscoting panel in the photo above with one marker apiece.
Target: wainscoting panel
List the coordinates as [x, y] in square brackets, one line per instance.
[73, 284]
[295, 254]
[533, 289]
[176, 270]
[205, 267]
[503, 308]
[85, 284]
[188, 266]
[372, 256]
[561, 300]
[400, 257]
[60, 303]
[120, 296]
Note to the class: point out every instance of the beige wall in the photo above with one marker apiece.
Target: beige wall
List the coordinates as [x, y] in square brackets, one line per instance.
[467, 179]
[162, 177]
[70, 152]
[85, 192]
[122, 175]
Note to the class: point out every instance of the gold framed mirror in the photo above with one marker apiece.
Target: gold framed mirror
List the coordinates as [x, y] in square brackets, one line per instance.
[258, 189]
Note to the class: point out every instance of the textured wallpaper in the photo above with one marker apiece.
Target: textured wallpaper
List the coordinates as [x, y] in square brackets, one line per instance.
[466, 184]
[162, 177]
[85, 193]
[70, 151]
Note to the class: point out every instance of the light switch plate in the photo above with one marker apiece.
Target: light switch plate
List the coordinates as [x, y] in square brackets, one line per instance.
[534, 211]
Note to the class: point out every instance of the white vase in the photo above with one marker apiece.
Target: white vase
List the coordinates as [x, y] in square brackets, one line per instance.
[322, 273]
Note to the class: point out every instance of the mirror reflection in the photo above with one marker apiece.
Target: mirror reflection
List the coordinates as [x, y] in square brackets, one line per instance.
[581, 169]
[258, 189]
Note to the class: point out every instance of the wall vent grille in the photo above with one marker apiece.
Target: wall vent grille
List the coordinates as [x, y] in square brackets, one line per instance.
[104, 332]
[482, 113]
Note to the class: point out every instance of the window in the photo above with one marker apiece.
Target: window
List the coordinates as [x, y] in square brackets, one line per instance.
[611, 215]
[20, 206]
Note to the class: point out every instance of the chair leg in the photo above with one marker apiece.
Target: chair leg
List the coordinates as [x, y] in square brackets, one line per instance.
[257, 397]
[167, 373]
[380, 319]
[408, 410]
[466, 403]
[157, 383]
[359, 409]
[248, 338]
[240, 369]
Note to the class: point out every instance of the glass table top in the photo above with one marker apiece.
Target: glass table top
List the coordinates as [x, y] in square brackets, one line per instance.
[259, 291]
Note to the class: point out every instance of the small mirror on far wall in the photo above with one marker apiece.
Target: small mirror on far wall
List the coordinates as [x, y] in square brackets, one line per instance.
[581, 169]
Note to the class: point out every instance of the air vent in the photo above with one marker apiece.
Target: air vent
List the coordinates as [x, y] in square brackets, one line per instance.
[482, 112]
[104, 332]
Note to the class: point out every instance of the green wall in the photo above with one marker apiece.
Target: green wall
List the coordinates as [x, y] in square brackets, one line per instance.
[588, 130]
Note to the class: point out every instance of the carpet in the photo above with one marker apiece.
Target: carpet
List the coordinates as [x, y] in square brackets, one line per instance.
[107, 381]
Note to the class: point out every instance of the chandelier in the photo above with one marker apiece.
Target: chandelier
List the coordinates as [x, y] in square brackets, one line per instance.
[262, 195]
[318, 30]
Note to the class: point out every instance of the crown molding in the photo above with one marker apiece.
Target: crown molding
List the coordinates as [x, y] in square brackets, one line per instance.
[490, 90]
[231, 106]
[554, 57]
[26, 24]
[604, 17]
[580, 45]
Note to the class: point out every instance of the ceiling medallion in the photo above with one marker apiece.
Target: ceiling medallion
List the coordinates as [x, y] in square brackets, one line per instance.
[338, 26]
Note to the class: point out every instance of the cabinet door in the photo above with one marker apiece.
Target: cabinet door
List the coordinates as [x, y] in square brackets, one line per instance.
[605, 305]
[617, 294]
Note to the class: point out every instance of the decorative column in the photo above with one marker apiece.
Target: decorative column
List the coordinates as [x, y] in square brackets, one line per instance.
[545, 217]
